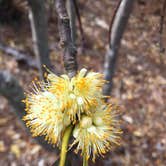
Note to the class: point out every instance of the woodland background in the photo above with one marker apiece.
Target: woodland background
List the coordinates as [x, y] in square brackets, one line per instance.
[139, 81]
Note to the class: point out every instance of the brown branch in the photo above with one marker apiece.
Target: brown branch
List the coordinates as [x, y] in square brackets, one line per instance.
[69, 56]
[21, 57]
[10, 88]
[163, 10]
[79, 22]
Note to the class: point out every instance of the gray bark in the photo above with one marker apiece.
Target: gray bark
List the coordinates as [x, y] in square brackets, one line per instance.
[117, 30]
[72, 17]
[69, 55]
[38, 20]
[10, 89]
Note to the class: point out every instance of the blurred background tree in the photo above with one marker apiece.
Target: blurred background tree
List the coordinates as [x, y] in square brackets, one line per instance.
[29, 34]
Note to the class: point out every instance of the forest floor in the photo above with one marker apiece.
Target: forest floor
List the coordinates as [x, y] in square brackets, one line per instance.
[139, 85]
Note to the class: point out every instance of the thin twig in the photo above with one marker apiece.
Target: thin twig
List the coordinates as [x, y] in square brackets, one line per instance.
[79, 23]
[19, 56]
[162, 49]
[117, 29]
[112, 20]
[72, 17]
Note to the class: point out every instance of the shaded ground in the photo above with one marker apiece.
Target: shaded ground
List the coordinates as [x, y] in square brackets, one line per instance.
[139, 86]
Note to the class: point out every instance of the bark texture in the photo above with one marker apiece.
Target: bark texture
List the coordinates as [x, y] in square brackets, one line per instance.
[72, 17]
[69, 50]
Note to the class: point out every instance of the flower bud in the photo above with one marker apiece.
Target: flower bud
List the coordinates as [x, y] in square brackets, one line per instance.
[86, 122]
[98, 121]
[91, 129]
[83, 72]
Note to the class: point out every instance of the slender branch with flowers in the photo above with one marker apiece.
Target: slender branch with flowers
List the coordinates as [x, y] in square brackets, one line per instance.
[72, 104]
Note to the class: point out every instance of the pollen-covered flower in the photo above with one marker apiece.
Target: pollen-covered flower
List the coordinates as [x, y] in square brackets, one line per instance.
[95, 134]
[78, 93]
[44, 116]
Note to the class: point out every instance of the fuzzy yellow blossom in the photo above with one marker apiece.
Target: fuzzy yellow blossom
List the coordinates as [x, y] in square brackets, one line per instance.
[95, 135]
[44, 116]
[66, 103]
[78, 93]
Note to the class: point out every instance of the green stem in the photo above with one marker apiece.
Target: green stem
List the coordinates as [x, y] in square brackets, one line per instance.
[85, 161]
[64, 146]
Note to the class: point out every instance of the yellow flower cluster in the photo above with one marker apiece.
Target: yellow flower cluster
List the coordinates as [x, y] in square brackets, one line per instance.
[78, 101]
[43, 116]
[97, 133]
[77, 94]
